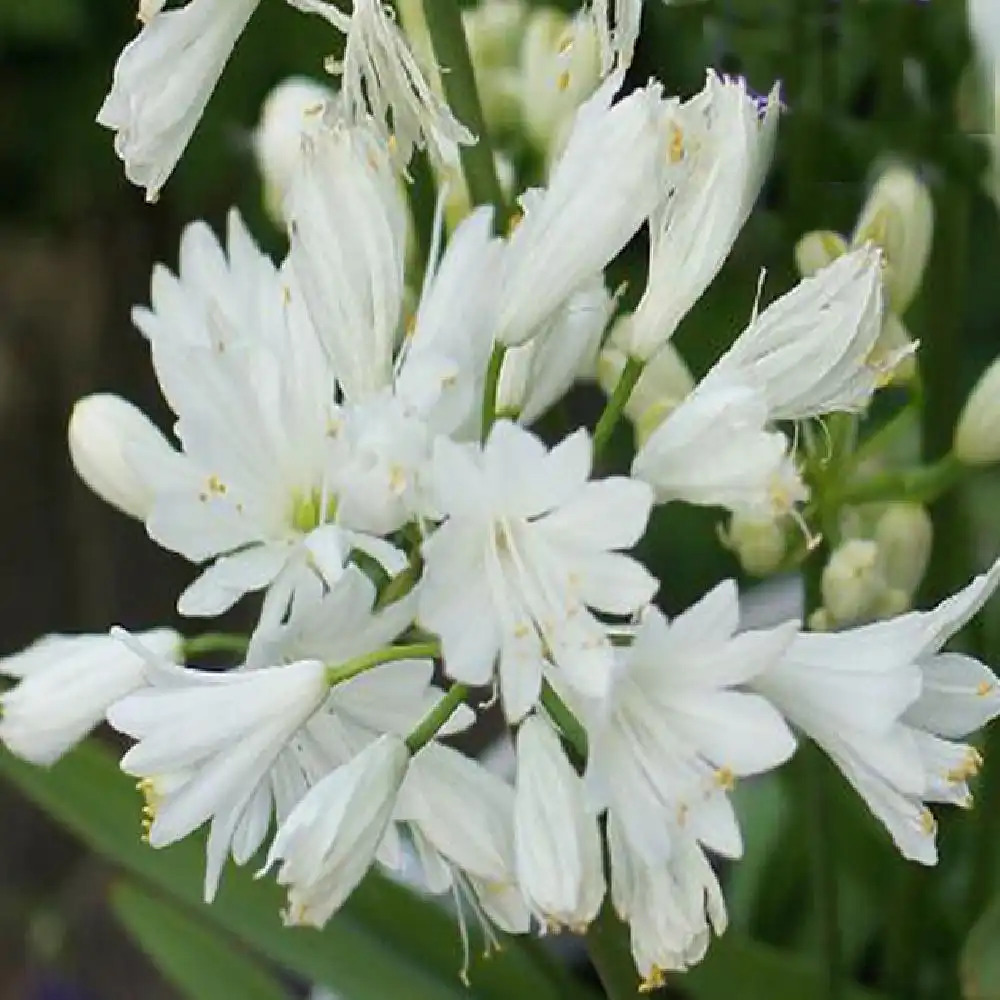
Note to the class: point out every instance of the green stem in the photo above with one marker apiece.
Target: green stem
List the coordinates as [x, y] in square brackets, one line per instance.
[401, 584]
[490, 388]
[923, 484]
[569, 725]
[432, 722]
[360, 664]
[608, 946]
[884, 439]
[616, 404]
[215, 642]
[458, 78]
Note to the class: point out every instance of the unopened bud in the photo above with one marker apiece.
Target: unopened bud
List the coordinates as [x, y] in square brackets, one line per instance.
[899, 217]
[977, 436]
[759, 543]
[895, 351]
[493, 29]
[904, 535]
[457, 203]
[287, 113]
[852, 583]
[560, 68]
[109, 440]
[818, 249]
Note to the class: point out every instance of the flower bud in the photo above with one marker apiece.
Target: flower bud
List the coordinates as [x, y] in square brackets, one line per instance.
[493, 29]
[759, 543]
[284, 118]
[904, 535]
[111, 442]
[560, 68]
[899, 217]
[852, 582]
[818, 249]
[977, 436]
[895, 351]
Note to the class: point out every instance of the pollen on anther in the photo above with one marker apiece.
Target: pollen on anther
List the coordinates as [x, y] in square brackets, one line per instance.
[984, 688]
[725, 779]
[927, 822]
[563, 82]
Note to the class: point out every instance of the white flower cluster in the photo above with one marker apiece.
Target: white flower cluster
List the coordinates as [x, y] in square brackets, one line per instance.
[364, 464]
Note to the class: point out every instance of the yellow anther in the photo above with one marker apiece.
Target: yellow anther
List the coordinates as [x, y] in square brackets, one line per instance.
[725, 779]
[565, 45]
[675, 150]
[984, 688]
[397, 480]
[515, 220]
[563, 81]
[216, 485]
[410, 326]
[927, 822]
[521, 631]
[654, 981]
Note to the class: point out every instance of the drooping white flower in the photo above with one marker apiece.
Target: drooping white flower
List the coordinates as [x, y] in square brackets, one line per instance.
[602, 188]
[461, 820]
[537, 374]
[886, 705]
[65, 685]
[329, 841]
[383, 86]
[117, 451]
[674, 732]
[810, 351]
[556, 839]
[347, 221]
[672, 906]
[163, 81]
[292, 107]
[528, 547]
[717, 449]
[720, 148]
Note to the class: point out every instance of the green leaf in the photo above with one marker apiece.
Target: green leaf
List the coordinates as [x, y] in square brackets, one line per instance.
[979, 967]
[386, 942]
[199, 962]
[762, 972]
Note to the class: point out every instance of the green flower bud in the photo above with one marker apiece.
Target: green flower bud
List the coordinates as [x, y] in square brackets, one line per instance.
[852, 582]
[759, 543]
[818, 249]
[977, 436]
[904, 535]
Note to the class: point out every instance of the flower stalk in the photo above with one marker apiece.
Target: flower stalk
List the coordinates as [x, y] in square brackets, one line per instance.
[616, 404]
[436, 718]
[391, 654]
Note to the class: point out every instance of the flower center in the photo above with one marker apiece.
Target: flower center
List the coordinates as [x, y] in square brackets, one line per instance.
[308, 511]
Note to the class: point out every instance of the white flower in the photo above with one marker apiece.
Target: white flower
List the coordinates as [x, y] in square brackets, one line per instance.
[617, 23]
[65, 685]
[721, 146]
[117, 451]
[162, 83]
[717, 449]
[461, 820]
[330, 839]
[290, 109]
[528, 547]
[537, 374]
[205, 741]
[347, 220]
[810, 352]
[673, 734]
[886, 705]
[672, 907]
[984, 20]
[253, 390]
[556, 839]
[383, 86]
[602, 188]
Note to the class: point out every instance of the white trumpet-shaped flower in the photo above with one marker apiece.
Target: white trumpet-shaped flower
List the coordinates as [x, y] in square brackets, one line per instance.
[382, 85]
[602, 188]
[347, 221]
[528, 547]
[672, 906]
[65, 685]
[674, 733]
[717, 449]
[811, 351]
[330, 839]
[461, 820]
[720, 146]
[556, 837]
[163, 81]
[887, 707]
